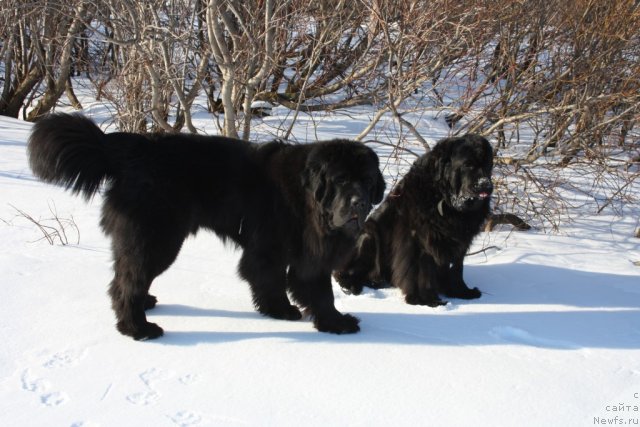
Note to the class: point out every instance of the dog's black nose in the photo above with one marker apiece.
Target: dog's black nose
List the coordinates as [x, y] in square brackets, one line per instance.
[358, 204]
[359, 210]
[484, 184]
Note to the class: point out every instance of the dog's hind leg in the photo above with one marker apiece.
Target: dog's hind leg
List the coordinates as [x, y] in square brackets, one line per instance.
[142, 250]
[128, 299]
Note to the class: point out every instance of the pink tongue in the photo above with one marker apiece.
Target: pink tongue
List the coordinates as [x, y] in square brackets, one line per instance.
[483, 195]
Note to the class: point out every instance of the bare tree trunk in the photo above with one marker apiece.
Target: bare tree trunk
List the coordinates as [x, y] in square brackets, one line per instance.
[73, 99]
[267, 60]
[224, 59]
[16, 101]
[57, 85]
[157, 104]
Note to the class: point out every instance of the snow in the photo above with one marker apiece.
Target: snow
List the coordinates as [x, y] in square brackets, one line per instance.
[554, 340]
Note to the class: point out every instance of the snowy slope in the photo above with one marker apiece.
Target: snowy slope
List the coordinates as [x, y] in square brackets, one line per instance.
[555, 340]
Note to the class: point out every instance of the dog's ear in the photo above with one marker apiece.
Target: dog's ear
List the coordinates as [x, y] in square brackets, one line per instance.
[439, 159]
[379, 187]
[314, 179]
[440, 166]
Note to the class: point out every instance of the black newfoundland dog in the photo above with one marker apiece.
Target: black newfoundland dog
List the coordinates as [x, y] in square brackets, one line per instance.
[296, 210]
[417, 238]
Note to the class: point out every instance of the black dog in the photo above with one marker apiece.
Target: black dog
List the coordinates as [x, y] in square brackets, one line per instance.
[418, 237]
[295, 209]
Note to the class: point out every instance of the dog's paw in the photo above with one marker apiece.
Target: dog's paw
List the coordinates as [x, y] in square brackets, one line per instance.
[337, 324]
[415, 299]
[347, 283]
[149, 302]
[351, 289]
[465, 293]
[289, 312]
[141, 332]
[378, 285]
[471, 294]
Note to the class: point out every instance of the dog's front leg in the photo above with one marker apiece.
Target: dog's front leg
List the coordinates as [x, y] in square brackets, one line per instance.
[312, 289]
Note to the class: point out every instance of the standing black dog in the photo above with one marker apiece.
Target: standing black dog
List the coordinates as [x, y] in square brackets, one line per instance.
[418, 237]
[294, 209]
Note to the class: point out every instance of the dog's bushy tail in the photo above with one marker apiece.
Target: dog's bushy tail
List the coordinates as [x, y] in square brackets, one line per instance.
[70, 150]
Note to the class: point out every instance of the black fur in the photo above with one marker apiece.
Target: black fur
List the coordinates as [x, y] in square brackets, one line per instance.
[417, 239]
[294, 209]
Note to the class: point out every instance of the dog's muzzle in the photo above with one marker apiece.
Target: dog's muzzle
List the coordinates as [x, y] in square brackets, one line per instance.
[483, 188]
[359, 209]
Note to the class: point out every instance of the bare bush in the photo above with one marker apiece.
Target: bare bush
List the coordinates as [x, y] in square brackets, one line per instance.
[556, 83]
[55, 228]
[37, 44]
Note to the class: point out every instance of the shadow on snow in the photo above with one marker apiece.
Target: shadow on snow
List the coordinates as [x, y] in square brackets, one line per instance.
[570, 310]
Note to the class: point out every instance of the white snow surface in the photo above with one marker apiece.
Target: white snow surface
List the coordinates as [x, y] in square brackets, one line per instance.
[554, 340]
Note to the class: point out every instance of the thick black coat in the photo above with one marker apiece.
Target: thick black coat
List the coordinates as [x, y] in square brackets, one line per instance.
[417, 238]
[294, 209]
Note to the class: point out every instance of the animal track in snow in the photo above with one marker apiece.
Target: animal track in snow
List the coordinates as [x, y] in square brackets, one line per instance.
[143, 398]
[85, 424]
[149, 378]
[185, 418]
[65, 359]
[40, 386]
[34, 384]
[54, 399]
[188, 379]
[154, 375]
[520, 336]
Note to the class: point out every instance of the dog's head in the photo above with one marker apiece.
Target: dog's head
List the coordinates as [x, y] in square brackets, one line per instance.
[463, 170]
[343, 182]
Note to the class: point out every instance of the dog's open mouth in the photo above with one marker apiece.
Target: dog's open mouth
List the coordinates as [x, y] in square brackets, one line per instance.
[479, 196]
[470, 201]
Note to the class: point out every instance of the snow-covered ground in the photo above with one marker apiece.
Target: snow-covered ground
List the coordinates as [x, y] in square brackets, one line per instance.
[554, 341]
